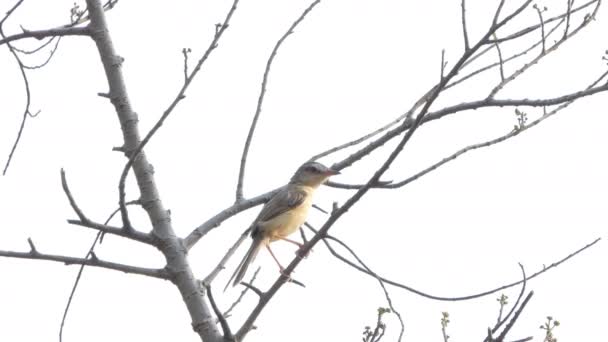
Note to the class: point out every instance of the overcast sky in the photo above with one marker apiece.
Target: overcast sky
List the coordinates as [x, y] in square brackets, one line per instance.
[349, 68]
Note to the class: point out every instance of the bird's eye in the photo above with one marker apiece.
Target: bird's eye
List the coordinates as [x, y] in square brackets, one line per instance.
[312, 169]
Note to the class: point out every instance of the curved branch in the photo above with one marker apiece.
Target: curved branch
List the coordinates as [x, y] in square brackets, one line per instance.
[258, 110]
[459, 298]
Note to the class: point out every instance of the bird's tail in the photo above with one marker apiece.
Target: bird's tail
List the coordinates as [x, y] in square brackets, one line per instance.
[240, 271]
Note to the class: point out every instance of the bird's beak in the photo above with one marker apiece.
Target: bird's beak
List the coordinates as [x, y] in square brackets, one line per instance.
[331, 172]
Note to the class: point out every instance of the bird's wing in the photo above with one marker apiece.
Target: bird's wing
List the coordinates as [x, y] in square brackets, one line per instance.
[286, 199]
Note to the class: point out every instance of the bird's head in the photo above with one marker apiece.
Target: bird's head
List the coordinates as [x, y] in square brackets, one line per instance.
[312, 174]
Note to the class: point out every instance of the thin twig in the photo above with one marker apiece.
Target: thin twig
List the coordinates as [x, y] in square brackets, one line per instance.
[258, 110]
[501, 321]
[533, 28]
[380, 281]
[568, 14]
[26, 110]
[500, 60]
[543, 54]
[505, 61]
[508, 327]
[254, 289]
[459, 298]
[542, 25]
[464, 25]
[220, 317]
[222, 264]
[243, 292]
[98, 237]
[48, 59]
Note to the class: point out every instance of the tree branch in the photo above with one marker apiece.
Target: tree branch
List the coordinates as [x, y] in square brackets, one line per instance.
[459, 298]
[41, 34]
[464, 25]
[246, 327]
[225, 214]
[134, 153]
[203, 322]
[223, 323]
[93, 261]
[258, 110]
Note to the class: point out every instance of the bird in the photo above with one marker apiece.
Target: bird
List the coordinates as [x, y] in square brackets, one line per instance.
[283, 214]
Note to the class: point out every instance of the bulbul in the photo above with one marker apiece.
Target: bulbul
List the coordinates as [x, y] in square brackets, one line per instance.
[284, 213]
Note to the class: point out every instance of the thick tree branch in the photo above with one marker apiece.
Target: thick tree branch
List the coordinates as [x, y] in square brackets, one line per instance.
[258, 110]
[203, 322]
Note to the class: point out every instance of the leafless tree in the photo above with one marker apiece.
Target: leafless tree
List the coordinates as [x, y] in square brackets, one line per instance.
[535, 42]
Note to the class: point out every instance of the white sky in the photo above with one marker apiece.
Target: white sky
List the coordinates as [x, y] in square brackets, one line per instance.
[349, 68]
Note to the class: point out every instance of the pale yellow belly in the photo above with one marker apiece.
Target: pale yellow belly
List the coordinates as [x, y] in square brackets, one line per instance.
[286, 223]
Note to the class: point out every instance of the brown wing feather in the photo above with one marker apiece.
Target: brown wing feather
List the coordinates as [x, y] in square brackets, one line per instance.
[286, 199]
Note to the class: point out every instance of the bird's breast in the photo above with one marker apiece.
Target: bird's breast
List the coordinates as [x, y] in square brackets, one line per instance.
[288, 222]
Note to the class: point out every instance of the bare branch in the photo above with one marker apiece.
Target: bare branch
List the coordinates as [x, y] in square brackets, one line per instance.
[443, 64]
[225, 214]
[178, 266]
[460, 298]
[84, 221]
[540, 11]
[73, 204]
[222, 264]
[41, 34]
[258, 110]
[223, 323]
[253, 288]
[533, 28]
[89, 254]
[36, 255]
[134, 154]
[48, 59]
[130, 234]
[508, 327]
[568, 14]
[505, 61]
[380, 281]
[464, 25]
[544, 53]
[26, 111]
[500, 320]
[497, 13]
[500, 60]
[240, 297]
